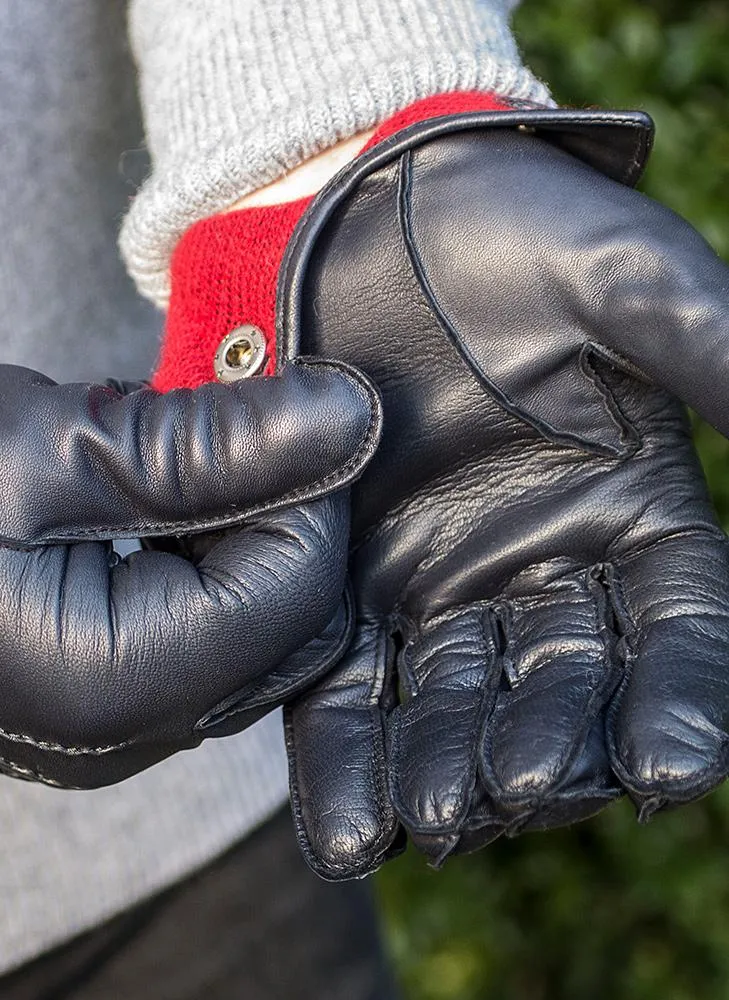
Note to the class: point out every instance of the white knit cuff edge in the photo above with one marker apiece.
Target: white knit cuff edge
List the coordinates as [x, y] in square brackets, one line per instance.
[178, 194]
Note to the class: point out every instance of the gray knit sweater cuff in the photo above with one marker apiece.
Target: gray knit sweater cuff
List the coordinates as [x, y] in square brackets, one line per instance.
[238, 92]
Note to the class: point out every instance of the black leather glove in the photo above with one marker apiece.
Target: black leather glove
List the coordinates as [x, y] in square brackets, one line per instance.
[542, 586]
[109, 665]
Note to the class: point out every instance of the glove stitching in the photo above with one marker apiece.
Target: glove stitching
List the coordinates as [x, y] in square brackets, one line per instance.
[31, 775]
[640, 152]
[640, 148]
[626, 614]
[405, 672]
[379, 674]
[60, 748]
[641, 145]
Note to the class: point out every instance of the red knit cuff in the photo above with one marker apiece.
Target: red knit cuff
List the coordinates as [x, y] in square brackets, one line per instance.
[225, 269]
[224, 272]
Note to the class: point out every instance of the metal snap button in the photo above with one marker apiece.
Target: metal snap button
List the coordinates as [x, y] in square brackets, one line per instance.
[240, 354]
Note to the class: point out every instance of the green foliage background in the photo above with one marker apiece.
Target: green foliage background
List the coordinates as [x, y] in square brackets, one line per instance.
[606, 910]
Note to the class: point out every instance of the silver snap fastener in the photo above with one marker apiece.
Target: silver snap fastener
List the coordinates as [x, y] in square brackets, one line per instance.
[240, 354]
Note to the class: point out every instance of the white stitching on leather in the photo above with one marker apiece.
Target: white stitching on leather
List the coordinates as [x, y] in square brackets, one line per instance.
[59, 747]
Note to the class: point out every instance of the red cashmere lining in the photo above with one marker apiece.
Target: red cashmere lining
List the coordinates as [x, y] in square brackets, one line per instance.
[224, 269]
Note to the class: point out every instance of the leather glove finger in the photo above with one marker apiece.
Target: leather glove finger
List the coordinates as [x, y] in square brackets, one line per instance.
[629, 281]
[110, 665]
[449, 676]
[503, 729]
[668, 726]
[86, 461]
[661, 300]
[345, 824]
[543, 758]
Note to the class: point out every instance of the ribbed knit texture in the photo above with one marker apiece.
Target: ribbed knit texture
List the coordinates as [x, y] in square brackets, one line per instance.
[238, 92]
[225, 269]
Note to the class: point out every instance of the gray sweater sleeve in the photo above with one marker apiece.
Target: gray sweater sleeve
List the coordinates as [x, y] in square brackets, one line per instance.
[238, 92]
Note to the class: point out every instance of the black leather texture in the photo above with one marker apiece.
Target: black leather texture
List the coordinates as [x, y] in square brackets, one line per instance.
[111, 664]
[542, 586]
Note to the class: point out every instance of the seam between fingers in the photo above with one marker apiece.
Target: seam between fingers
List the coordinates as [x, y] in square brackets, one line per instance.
[625, 610]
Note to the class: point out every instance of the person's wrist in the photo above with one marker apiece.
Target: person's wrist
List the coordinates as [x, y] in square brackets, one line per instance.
[308, 178]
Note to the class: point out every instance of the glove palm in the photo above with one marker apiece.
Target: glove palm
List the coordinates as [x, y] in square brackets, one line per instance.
[542, 587]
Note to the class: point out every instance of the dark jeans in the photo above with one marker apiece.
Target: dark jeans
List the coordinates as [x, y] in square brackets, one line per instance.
[255, 925]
